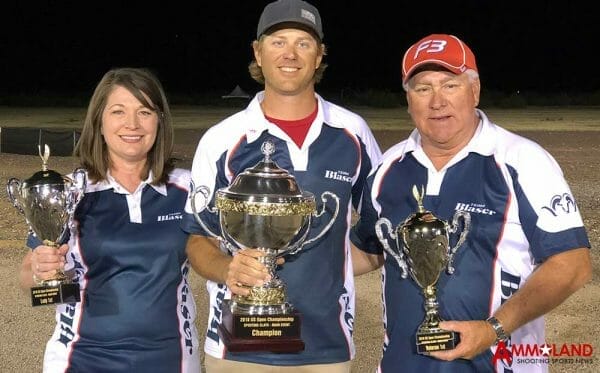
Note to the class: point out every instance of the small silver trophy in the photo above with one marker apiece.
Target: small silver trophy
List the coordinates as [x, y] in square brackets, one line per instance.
[423, 250]
[264, 209]
[48, 200]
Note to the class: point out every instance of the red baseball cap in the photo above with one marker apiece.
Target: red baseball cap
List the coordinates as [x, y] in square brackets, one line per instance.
[444, 50]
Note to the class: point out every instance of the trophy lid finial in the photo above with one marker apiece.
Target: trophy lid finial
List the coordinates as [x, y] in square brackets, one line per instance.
[265, 181]
[44, 156]
[45, 176]
[419, 197]
[267, 148]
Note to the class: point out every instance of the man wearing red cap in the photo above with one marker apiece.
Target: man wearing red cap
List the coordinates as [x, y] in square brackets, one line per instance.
[326, 148]
[526, 250]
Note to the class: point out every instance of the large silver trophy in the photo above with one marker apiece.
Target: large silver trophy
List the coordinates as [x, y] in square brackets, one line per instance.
[422, 248]
[48, 200]
[264, 209]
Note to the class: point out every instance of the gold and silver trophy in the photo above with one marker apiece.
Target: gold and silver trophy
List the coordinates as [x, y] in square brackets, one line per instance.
[48, 200]
[422, 248]
[264, 209]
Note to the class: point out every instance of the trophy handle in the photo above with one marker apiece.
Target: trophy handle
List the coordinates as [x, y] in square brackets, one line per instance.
[77, 190]
[12, 189]
[399, 256]
[301, 243]
[466, 217]
[205, 192]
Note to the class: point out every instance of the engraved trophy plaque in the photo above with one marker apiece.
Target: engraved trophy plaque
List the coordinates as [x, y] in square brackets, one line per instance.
[422, 248]
[264, 209]
[48, 200]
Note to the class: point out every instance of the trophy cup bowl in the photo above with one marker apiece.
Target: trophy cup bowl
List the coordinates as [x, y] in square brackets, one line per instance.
[422, 249]
[274, 225]
[265, 209]
[48, 200]
[426, 240]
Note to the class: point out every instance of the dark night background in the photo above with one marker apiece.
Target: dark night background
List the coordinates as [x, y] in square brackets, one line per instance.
[203, 47]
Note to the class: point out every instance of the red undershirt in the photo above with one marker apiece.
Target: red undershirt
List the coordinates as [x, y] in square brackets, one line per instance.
[295, 129]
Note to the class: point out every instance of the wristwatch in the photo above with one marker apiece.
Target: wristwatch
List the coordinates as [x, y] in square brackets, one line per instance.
[498, 329]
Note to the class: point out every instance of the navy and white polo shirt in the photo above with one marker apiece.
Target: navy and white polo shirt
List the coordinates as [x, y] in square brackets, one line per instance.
[137, 313]
[522, 212]
[337, 155]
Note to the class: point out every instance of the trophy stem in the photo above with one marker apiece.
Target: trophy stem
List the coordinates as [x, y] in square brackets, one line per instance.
[432, 317]
[60, 277]
[267, 299]
[269, 260]
[429, 335]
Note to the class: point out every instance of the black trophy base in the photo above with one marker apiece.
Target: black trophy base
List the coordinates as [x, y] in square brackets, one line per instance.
[62, 293]
[436, 340]
[272, 333]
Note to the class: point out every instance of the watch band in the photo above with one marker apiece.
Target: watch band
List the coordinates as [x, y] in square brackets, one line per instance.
[498, 329]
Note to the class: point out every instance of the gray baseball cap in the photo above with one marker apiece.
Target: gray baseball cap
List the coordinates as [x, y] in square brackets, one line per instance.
[294, 11]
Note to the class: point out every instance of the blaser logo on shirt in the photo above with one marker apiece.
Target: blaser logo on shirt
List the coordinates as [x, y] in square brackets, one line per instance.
[67, 316]
[185, 312]
[509, 284]
[338, 175]
[171, 216]
[476, 208]
[348, 317]
[212, 327]
[66, 325]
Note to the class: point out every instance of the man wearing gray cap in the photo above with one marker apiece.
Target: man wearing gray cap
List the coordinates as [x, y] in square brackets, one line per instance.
[326, 148]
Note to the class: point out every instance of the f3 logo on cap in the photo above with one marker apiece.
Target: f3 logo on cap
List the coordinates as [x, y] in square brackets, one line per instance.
[431, 46]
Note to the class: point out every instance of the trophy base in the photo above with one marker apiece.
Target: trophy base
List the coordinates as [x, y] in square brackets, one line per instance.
[53, 294]
[436, 340]
[272, 333]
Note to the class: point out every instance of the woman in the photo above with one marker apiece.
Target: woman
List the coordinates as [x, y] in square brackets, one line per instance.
[126, 249]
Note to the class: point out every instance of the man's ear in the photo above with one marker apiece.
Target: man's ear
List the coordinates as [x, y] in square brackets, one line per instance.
[256, 49]
[476, 88]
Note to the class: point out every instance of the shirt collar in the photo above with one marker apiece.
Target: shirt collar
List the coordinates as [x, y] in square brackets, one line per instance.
[257, 123]
[482, 141]
[112, 183]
